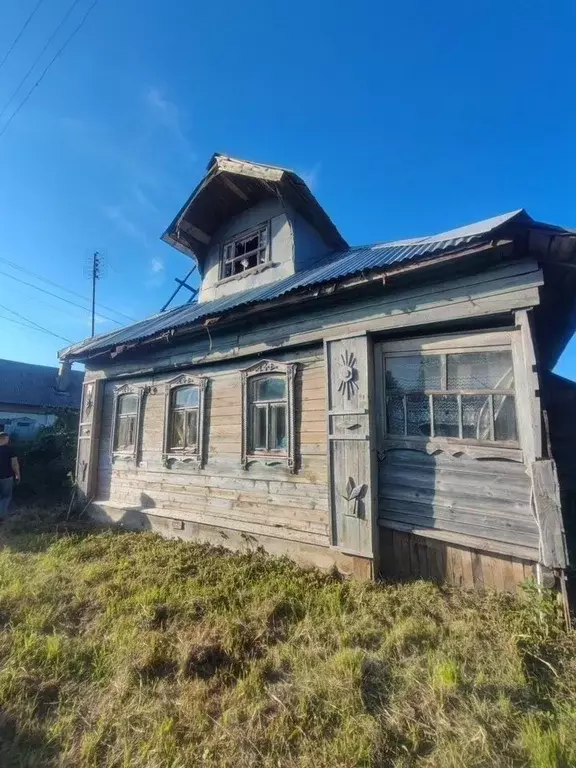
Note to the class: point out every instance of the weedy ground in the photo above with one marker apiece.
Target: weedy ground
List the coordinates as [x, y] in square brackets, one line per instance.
[128, 650]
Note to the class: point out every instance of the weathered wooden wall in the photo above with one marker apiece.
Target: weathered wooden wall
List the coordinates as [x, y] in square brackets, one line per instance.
[260, 500]
[484, 499]
[407, 556]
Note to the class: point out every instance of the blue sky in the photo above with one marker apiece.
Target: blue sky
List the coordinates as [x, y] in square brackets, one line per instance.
[406, 119]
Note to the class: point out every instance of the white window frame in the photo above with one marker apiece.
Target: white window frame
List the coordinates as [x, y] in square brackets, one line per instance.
[229, 245]
[268, 458]
[444, 345]
[132, 454]
[170, 456]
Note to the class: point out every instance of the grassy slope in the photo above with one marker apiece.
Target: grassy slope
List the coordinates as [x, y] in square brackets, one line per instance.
[128, 650]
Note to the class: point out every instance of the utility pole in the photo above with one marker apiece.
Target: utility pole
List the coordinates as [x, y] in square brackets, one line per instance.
[95, 275]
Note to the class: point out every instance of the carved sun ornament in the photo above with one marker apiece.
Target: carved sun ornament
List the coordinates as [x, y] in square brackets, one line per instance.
[348, 374]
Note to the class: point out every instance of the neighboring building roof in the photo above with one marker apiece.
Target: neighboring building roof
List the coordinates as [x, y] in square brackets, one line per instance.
[37, 385]
[335, 266]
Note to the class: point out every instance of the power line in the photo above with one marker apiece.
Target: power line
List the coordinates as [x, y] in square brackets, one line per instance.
[62, 287]
[19, 35]
[29, 327]
[56, 56]
[61, 298]
[37, 59]
[33, 324]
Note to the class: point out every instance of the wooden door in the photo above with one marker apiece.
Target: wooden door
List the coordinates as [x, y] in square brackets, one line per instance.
[350, 454]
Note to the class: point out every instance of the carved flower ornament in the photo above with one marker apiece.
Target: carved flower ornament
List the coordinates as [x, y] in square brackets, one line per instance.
[348, 374]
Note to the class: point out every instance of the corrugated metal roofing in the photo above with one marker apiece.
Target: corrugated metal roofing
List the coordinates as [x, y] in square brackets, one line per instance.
[36, 385]
[333, 267]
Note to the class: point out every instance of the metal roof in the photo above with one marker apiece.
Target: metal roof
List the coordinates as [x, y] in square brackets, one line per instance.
[36, 385]
[333, 267]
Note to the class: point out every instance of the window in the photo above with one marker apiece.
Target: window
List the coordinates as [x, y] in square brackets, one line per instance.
[245, 252]
[460, 395]
[184, 420]
[184, 407]
[126, 430]
[268, 414]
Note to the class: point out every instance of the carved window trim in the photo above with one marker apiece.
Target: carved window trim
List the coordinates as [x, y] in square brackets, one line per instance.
[269, 459]
[190, 458]
[127, 389]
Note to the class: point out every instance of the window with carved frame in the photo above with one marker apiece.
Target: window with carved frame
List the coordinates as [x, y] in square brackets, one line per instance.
[126, 420]
[184, 420]
[268, 413]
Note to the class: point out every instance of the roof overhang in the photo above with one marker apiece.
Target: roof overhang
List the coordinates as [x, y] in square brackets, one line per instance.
[231, 186]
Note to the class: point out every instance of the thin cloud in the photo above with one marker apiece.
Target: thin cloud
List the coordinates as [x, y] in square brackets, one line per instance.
[157, 265]
[117, 215]
[311, 176]
[169, 116]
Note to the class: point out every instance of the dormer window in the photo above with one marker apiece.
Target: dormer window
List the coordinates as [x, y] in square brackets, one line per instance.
[246, 251]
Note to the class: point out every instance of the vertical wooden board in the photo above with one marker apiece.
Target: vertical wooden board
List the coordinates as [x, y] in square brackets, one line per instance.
[477, 570]
[88, 438]
[549, 513]
[467, 573]
[348, 374]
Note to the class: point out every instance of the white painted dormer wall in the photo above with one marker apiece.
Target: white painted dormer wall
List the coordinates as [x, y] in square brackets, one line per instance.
[294, 245]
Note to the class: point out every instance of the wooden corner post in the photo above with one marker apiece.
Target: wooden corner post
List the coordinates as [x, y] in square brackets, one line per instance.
[352, 484]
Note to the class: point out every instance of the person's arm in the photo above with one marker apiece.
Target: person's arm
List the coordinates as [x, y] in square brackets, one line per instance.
[16, 468]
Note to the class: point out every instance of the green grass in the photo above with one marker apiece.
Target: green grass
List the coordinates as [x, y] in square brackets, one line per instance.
[128, 650]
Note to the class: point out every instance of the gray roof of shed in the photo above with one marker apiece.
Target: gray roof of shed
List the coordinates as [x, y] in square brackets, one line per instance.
[35, 385]
[335, 266]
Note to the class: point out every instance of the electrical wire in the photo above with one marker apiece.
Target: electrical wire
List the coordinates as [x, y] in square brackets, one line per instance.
[61, 287]
[61, 298]
[37, 59]
[56, 56]
[32, 324]
[19, 35]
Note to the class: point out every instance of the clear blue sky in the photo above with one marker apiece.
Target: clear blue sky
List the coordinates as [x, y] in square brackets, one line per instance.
[406, 118]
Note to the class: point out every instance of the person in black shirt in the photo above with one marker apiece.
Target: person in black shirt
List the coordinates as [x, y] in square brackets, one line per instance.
[9, 470]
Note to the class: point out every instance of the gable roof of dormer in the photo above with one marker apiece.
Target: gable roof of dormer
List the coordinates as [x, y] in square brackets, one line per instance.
[231, 186]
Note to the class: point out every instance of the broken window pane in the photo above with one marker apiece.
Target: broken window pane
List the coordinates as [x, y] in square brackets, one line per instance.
[245, 253]
[480, 370]
[192, 429]
[446, 416]
[476, 417]
[504, 418]
[415, 373]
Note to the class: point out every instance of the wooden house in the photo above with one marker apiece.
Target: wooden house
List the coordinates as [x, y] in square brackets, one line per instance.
[377, 408]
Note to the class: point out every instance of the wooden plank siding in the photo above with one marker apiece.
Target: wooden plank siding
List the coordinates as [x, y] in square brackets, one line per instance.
[261, 500]
[407, 556]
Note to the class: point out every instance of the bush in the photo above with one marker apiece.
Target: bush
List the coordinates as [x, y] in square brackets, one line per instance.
[47, 461]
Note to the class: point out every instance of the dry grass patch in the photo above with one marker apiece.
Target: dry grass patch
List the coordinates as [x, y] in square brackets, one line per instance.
[129, 650]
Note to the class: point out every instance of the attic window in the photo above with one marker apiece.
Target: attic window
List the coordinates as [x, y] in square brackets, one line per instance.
[245, 252]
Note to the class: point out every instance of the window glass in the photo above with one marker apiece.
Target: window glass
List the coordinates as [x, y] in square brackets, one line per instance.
[476, 417]
[414, 399]
[413, 374]
[395, 415]
[504, 418]
[186, 397]
[480, 370]
[177, 437]
[127, 404]
[260, 428]
[269, 388]
[278, 427]
[192, 429]
[418, 415]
